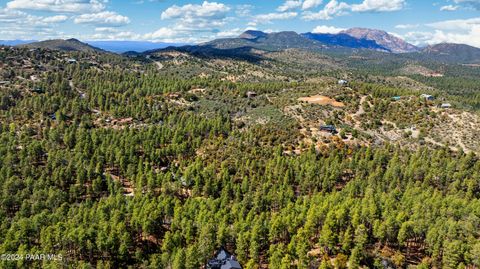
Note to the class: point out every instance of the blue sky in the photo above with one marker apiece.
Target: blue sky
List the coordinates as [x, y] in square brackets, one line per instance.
[419, 22]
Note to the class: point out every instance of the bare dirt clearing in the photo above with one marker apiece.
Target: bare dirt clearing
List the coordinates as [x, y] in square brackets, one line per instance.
[321, 100]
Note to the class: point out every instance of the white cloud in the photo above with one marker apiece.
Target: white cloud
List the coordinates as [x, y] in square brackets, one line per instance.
[406, 26]
[289, 5]
[194, 23]
[469, 3]
[456, 25]
[105, 18]
[209, 10]
[172, 35]
[295, 4]
[243, 10]
[230, 33]
[111, 33]
[309, 4]
[471, 38]
[55, 19]
[332, 9]
[15, 18]
[378, 6]
[465, 31]
[70, 6]
[276, 16]
[15, 24]
[335, 8]
[209, 16]
[324, 29]
[449, 8]
[162, 34]
[269, 17]
[12, 16]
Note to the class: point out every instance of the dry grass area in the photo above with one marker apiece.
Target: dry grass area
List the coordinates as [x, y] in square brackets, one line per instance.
[420, 70]
[458, 129]
[322, 100]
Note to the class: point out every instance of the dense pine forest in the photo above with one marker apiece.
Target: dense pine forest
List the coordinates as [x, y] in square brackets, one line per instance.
[112, 163]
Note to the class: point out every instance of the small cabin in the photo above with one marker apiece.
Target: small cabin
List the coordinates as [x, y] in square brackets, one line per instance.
[251, 94]
[343, 82]
[427, 97]
[396, 98]
[223, 260]
[328, 128]
[71, 61]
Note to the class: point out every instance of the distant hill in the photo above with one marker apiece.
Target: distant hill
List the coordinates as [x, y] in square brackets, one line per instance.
[345, 40]
[382, 38]
[64, 45]
[449, 52]
[251, 34]
[266, 41]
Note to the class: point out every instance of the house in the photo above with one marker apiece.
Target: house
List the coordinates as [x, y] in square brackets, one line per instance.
[342, 82]
[71, 61]
[328, 128]
[427, 97]
[251, 94]
[223, 260]
[396, 98]
[445, 105]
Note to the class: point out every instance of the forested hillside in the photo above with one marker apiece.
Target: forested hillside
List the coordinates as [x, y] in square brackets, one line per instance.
[117, 162]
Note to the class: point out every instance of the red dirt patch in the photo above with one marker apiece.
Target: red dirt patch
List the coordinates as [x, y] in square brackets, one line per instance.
[321, 100]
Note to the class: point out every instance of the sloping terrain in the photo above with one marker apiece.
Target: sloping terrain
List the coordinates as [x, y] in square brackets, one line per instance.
[157, 160]
[382, 38]
[452, 53]
[345, 40]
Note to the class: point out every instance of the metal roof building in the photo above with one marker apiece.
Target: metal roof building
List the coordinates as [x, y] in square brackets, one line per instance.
[223, 260]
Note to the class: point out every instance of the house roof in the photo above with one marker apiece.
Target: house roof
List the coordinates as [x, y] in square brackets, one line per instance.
[231, 264]
[224, 260]
[222, 254]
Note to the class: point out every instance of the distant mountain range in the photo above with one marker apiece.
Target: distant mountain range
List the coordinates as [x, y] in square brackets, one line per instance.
[355, 38]
[16, 42]
[351, 41]
[382, 38]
